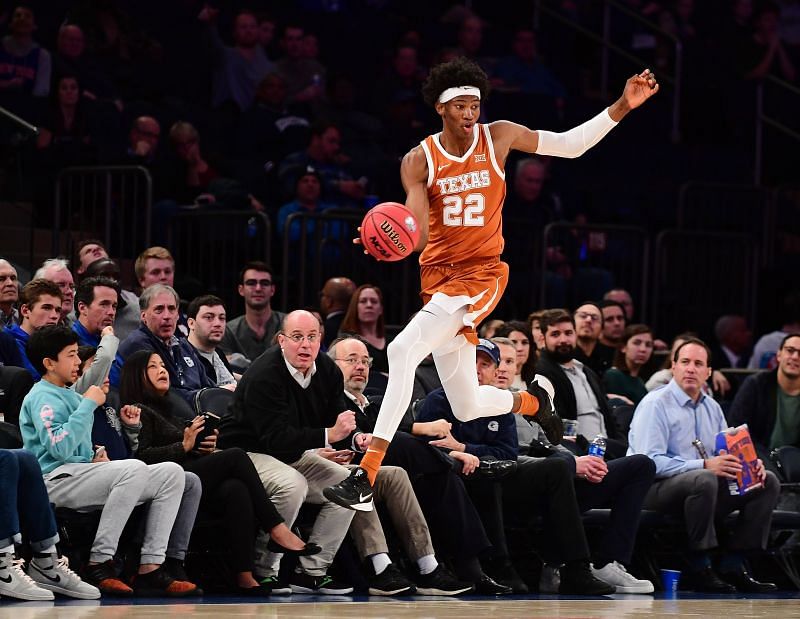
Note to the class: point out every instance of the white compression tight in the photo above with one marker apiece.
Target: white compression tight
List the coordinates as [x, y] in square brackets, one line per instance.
[435, 330]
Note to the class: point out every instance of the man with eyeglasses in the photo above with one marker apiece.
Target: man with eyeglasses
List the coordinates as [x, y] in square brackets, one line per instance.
[289, 404]
[769, 402]
[57, 271]
[9, 294]
[588, 328]
[252, 333]
[429, 491]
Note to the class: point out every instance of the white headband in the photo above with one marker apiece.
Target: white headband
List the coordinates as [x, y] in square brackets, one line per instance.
[458, 91]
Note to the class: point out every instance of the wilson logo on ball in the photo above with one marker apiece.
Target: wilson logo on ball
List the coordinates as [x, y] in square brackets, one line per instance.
[393, 236]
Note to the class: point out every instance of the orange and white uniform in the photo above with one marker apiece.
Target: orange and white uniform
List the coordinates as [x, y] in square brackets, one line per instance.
[460, 265]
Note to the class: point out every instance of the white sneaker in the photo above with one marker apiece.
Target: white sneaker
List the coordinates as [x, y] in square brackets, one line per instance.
[15, 583]
[60, 579]
[616, 575]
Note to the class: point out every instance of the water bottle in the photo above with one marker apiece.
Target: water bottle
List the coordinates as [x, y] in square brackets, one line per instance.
[598, 446]
[252, 228]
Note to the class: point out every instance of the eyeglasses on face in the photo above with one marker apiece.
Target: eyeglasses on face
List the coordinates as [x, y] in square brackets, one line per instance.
[588, 316]
[298, 338]
[356, 360]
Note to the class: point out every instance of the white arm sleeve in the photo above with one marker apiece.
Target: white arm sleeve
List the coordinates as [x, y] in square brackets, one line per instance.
[578, 140]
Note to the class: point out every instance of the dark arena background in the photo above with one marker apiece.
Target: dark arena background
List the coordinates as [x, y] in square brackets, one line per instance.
[176, 124]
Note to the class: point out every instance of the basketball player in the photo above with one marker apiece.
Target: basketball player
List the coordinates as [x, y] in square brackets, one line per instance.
[455, 187]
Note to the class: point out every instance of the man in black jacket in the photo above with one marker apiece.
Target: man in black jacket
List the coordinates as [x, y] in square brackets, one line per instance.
[290, 403]
[159, 307]
[578, 393]
[769, 402]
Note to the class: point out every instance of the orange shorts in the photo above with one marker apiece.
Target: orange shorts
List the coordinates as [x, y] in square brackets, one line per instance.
[480, 284]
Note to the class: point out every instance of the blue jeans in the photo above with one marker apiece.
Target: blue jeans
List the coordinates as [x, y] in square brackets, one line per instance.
[24, 500]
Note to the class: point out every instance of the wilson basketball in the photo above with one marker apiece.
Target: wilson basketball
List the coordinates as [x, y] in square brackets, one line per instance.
[389, 232]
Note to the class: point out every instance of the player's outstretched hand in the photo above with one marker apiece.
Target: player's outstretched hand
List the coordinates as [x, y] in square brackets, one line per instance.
[357, 240]
[639, 88]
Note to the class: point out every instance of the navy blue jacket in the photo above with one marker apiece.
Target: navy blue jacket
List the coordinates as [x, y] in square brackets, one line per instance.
[186, 373]
[485, 436]
[9, 352]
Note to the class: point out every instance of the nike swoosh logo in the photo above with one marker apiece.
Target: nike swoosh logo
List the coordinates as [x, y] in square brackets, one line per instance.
[442, 167]
[7, 579]
[57, 578]
[364, 497]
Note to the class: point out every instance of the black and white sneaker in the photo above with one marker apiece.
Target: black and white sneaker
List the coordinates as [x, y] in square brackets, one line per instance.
[354, 492]
[52, 573]
[441, 582]
[274, 586]
[306, 583]
[390, 582]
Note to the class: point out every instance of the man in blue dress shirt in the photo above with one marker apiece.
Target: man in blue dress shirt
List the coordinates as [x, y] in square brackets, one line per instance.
[666, 427]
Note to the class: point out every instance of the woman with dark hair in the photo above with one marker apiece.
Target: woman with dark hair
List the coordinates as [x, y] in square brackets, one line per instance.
[231, 486]
[623, 378]
[364, 317]
[520, 334]
[64, 131]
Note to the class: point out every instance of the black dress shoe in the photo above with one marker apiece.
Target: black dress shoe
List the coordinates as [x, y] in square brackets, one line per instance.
[707, 581]
[744, 582]
[487, 586]
[491, 468]
[504, 573]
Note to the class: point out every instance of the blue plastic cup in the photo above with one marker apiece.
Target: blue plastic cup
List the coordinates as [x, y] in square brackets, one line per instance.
[669, 580]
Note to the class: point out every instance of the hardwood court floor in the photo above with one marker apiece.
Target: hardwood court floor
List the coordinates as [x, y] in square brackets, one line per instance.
[618, 606]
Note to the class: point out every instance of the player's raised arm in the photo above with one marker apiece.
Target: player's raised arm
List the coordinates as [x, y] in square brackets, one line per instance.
[414, 176]
[573, 143]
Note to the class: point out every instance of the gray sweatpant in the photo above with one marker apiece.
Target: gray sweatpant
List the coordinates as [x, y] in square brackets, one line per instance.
[116, 488]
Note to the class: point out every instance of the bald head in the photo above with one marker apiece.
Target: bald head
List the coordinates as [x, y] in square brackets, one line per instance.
[9, 286]
[299, 339]
[336, 293]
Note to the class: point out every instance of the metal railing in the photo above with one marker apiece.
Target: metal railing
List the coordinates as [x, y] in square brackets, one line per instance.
[316, 247]
[111, 203]
[723, 207]
[699, 276]
[213, 245]
[675, 79]
[765, 119]
[599, 257]
[783, 228]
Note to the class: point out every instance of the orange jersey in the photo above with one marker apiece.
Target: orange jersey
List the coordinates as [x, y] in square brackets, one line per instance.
[466, 197]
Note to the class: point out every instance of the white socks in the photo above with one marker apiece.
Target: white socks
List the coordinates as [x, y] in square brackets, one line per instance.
[427, 564]
[380, 562]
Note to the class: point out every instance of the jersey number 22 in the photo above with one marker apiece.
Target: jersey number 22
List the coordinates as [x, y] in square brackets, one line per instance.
[466, 212]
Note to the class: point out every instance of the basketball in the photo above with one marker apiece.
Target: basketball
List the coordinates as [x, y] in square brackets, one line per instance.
[389, 232]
